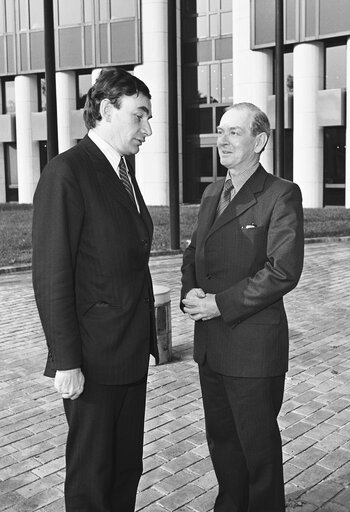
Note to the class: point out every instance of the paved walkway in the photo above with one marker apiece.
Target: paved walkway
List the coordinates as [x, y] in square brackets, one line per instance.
[178, 475]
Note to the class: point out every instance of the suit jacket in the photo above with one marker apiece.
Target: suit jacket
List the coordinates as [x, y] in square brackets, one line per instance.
[250, 257]
[90, 269]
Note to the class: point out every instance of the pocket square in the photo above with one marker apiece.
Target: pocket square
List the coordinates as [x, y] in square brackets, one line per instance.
[249, 226]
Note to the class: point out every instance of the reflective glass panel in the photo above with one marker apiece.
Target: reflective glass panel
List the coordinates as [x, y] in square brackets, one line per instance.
[264, 21]
[214, 5]
[2, 19]
[334, 16]
[215, 83]
[103, 44]
[70, 47]
[23, 52]
[226, 5]
[2, 60]
[123, 42]
[204, 49]
[84, 84]
[202, 26]
[10, 16]
[226, 82]
[226, 23]
[120, 10]
[69, 13]
[36, 14]
[104, 14]
[223, 48]
[202, 5]
[335, 67]
[10, 54]
[36, 44]
[10, 104]
[203, 89]
[42, 102]
[88, 45]
[214, 25]
[11, 165]
[290, 16]
[87, 11]
[23, 15]
[288, 72]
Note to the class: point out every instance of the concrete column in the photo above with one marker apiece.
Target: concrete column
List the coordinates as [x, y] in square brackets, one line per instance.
[152, 169]
[252, 70]
[66, 103]
[308, 135]
[28, 159]
[347, 140]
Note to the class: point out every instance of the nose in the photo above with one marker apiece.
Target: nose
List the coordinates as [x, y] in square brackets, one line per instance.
[222, 139]
[146, 128]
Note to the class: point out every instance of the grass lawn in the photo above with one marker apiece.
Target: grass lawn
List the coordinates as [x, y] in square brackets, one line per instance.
[15, 228]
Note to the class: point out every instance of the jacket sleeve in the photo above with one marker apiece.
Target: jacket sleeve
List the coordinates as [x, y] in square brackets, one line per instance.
[283, 267]
[57, 222]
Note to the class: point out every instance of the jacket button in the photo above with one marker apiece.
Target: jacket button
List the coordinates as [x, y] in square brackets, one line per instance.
[209, 276]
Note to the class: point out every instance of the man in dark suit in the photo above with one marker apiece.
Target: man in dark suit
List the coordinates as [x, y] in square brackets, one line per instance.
[92, 235]
[245, 255]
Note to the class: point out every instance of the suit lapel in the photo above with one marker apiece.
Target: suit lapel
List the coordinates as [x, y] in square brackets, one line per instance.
[242, 201]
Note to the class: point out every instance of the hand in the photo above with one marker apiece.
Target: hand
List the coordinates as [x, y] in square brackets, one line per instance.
[195, 292]
[70, 383]
[201, 308]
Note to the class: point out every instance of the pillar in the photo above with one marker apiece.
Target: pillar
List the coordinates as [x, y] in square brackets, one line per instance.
[2, 175]
[28, 159]
[152, 169]
[307, 134]
[252, 70]
[347, 143]
[66, 103]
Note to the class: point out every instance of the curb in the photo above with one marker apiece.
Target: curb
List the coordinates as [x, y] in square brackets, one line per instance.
[175, 252]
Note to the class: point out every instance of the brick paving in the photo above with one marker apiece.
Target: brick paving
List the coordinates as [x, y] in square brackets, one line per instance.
[178, 475]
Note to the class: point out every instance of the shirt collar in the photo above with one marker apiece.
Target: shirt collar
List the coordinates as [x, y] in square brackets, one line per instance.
[110, 153]
[238, 180]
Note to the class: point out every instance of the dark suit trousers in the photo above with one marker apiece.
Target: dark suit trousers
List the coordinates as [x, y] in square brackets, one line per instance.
[104, 448]
[244, 440]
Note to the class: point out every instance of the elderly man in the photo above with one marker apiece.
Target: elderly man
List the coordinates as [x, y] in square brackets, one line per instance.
[246, 253]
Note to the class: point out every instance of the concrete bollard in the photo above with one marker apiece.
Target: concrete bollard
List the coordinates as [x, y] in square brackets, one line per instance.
[163, 323]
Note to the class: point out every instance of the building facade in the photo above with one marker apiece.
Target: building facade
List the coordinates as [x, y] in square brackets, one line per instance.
[225, 54]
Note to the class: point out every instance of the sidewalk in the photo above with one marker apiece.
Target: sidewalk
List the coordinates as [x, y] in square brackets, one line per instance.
[178, 476]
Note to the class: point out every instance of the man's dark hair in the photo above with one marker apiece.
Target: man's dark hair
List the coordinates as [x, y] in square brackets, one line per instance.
[111, 84]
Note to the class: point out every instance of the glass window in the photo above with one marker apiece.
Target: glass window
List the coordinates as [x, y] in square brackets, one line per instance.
[10, 16]
[42, 94]
[264, 21]
[288, 72]
[2, 60]
[23, 15]
[202, 5]
[204, 50]
[36, 14]
[214, 5]
[69, 13]
[104, 14]
[334, 155]
[87, 11]
[120, 10]
[103, 44]
[226, 5]
[214, 25]
[36, 44]
[215, 83]
[205, 160]
[335, 67]
[11, 165]
[88, 45]
[202, 26]
[290, 16]
[226, 23]
[10, 54]
[24, 52]
[226, 82]
[205, 120]
[84, 84]
[202, 81]
[2, 19]
[70, 53]
[123, 42]
[334, 16]
[10, 105]
[223, 48]
[310, 18]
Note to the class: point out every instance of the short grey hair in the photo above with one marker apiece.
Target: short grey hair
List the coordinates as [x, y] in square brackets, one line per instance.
[260, 122]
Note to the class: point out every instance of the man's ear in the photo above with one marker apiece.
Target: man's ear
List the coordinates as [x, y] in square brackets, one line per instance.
[260, 142]
[106, 110]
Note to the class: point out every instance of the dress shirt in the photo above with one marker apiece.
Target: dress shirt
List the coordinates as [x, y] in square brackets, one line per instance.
[112, 156]
[238, 180]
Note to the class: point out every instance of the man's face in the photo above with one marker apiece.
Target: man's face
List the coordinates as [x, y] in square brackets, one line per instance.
[129, 124]
[238, 148]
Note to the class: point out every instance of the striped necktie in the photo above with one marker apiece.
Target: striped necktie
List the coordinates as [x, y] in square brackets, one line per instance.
[123, 174]
[225, 197]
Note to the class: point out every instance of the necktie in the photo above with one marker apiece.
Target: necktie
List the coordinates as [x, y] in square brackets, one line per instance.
[225, 197]
[123, 174]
